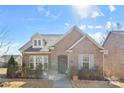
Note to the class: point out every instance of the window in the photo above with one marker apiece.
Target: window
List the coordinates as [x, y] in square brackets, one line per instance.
[86, 62]
[31, 62]
[45, 59]
[45, 66]
[38, 60]
[31, 65]
[39, 42]
[35, 42]
[45, 62]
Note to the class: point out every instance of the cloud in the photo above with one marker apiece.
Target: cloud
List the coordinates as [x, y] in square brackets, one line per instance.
[82, 27]
[40, 8]
[90, 26]
[96, 14]
[112, 8]
[87, 11]
[47, 13]
[110, 25]
[67, 24]
[98, 36]
[98, 26]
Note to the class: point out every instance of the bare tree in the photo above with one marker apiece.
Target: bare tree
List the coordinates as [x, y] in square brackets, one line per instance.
[4, 41]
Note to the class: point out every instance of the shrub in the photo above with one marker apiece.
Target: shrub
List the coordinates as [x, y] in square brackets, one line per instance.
[12, 68]
[73, 71]
[94, 74]
[84, 74]
[38, 71]
[25, 71]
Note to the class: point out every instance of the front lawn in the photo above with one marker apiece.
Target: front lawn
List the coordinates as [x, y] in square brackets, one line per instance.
[27, 83]
[3, 72]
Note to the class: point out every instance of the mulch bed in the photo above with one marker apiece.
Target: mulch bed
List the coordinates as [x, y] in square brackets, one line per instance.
[92, 84]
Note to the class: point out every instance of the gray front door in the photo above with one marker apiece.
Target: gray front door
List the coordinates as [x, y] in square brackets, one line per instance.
[62, 63]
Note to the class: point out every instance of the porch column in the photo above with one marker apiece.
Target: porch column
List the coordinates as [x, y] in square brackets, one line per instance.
[34, 62]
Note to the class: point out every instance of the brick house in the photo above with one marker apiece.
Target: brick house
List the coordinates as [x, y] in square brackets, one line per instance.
[58, 53]
[114, 60]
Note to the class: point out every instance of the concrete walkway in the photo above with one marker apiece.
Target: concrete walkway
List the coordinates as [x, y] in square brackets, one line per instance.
[62, 83]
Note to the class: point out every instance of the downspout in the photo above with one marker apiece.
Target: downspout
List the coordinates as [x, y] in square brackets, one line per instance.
[103, 53]
[103, 64]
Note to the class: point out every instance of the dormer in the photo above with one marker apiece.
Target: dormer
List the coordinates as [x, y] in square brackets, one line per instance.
[37, 41]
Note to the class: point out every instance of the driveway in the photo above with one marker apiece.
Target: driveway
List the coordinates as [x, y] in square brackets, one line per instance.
[62, 83]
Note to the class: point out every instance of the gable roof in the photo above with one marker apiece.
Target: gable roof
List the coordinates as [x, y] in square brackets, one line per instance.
[113, 32]
[74, 28]
[98, 45]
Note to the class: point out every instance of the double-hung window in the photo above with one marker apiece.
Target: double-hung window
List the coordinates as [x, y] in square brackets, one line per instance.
[39, 42]
[31, 62]
[86, 62]
[38, 60]
[35, 42]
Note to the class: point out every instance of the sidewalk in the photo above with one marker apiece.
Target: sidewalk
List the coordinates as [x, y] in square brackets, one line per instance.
[62, 83]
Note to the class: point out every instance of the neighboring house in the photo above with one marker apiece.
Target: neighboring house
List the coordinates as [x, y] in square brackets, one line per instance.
[58, 53]
[5, 58]
[114, 61]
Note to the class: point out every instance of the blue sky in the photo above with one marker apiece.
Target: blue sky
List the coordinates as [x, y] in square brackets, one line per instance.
[23, 21]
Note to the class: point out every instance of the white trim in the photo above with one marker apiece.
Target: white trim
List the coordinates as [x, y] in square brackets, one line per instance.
[77, 42]
[69, 51]
[34, 57]
[104, 51]
[38, 52]
[68, 64]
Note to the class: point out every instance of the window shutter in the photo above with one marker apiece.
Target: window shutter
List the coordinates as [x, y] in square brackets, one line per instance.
[80, 61]
[91, 61]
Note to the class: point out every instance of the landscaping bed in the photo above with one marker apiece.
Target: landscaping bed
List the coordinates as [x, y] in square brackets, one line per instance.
[92, 84]
[26, 83]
